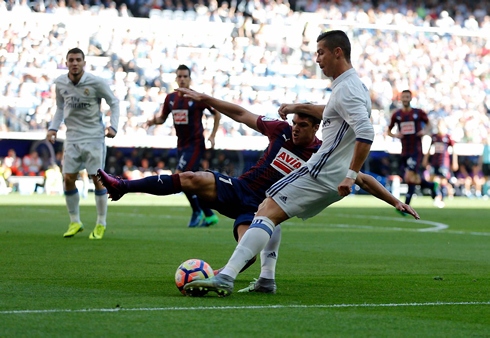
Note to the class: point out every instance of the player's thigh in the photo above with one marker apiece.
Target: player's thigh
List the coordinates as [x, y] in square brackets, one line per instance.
[303, 196]
[93, 155]
[201, 183]
[72, 159]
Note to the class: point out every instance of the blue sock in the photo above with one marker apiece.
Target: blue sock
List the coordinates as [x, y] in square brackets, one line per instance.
[208, 212]
[411, 190]
[156, 185]
[194, 202]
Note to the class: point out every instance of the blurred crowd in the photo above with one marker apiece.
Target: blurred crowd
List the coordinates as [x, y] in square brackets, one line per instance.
[261, 54]
[255, 53]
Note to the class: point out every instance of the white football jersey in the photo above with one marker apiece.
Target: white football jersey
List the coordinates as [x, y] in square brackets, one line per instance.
[346, 118]
[79, 106]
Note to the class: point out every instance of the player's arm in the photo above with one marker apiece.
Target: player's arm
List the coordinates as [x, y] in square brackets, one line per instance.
[231, 110]
[57, 118]
[372, 186]
[391, 126]
[425, 160]
[217, 118]
[161, 116]
[352, 108]
[305, 108]
[106, 93]
[427, 128]
[455, 163]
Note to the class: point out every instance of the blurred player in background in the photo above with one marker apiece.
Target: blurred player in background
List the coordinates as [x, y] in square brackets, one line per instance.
[440, 162]
[78, 96]
[412, 125]
[187, 115]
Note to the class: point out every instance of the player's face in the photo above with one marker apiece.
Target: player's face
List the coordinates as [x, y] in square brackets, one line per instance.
[325, 59]
[406, 98]
[303, 131]
[75, 64]
[183, 79]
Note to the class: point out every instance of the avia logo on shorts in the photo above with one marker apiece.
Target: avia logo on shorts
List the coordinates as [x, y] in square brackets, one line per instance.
[181, 116]
[286, 162]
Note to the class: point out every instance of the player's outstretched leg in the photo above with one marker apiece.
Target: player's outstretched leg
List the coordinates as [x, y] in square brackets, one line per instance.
[116, 187]
[221, 284]
[262, 285]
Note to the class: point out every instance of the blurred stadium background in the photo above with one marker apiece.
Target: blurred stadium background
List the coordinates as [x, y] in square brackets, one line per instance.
[255, 53]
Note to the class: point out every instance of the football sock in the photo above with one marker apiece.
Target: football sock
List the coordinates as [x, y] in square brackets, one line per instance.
[194, 202]
[208, 212]
[254, 240]
[411, 190]
[156, 185]
[426, 184]
[444, 191]
[72, 199]
[268, 256]
[101, 205]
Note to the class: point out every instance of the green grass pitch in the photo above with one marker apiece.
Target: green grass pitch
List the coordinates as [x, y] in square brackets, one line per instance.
[358, 269]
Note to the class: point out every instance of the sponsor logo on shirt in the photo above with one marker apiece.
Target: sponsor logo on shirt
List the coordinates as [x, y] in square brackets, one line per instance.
[407, 128]
[268, 119]
[439, 148]
[286, 162]
[181, 116]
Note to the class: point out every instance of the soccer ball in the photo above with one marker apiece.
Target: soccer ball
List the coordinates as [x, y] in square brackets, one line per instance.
[190, 270]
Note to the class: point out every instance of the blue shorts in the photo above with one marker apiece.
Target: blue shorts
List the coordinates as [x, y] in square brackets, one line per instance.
[189, 159]
[412, 163]
[442, 171]
[234, 200]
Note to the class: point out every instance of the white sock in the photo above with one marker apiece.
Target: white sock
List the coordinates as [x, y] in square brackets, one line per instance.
[268, 256]
[101, 204]
[73, 205]
[254, 240]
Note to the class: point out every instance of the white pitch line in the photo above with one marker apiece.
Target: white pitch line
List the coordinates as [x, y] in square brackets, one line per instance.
[436, 225]
[200, 308]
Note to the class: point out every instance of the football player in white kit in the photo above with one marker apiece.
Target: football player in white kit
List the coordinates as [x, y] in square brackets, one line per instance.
[330, 173]
[78, 96]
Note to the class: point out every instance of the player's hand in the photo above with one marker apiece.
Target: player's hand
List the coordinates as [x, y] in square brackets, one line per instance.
[345, 187]
[285, 109]
[211, 140]
[407, 209]
[455, 167]
[192, 94]
[109, 132]
[51, 136]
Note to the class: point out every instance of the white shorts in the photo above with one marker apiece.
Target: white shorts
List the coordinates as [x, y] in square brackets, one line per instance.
[298, 194]
[78, 156]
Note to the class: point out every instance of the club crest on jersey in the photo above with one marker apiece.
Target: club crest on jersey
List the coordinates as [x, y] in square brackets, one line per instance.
[268, 119]
[286, 162]
[86, 92]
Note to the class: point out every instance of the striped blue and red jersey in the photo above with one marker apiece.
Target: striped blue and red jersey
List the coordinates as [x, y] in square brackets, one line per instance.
[187, 115]
[409, 124]
[280, 158]
[441, 157]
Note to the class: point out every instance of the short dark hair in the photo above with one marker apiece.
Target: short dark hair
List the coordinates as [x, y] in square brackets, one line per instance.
[183, 67]
[334, 39]
[76, 51]
[314, 121]
[407, 91]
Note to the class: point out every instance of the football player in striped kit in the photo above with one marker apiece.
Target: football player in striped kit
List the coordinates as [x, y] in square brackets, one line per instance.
[78, 99]
[187, 116]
